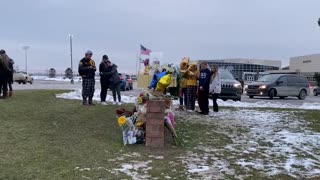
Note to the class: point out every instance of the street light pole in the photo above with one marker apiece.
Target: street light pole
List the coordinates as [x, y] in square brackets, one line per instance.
[25, 48]
[70, 37]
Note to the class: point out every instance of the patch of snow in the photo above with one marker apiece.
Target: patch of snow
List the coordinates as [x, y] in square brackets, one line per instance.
[272, 142]
[199, 169]
[135, 168]
[60, 78]
[262, 104]
[77, 95]
[156, 157]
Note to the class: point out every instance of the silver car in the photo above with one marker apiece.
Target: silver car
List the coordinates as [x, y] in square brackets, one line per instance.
[279, 85]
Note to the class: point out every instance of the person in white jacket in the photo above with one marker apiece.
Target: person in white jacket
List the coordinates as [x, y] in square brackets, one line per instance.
[215, 86]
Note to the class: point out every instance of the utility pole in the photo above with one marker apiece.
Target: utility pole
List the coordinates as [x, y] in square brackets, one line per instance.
[25, 48]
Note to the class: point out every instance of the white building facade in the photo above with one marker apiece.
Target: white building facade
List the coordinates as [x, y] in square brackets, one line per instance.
[306, 65]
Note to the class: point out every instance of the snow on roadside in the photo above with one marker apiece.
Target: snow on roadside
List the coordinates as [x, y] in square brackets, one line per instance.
[77, 95]
[59, 78]
[272, 143]
[262, 104]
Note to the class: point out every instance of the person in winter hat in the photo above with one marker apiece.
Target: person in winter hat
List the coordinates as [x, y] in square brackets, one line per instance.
[87, 69]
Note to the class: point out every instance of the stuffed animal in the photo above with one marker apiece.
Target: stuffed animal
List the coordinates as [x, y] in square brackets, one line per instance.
[184, 64]
[192, 71]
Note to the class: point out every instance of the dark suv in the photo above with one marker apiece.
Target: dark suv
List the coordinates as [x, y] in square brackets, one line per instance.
[279, 85]
[230, 87]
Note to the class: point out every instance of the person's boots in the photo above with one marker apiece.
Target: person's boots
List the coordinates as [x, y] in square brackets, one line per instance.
[90, 102]
[84, 101]
[10, 93]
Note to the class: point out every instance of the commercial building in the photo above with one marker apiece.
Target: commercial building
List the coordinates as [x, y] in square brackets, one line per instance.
[306, 65]
[246, 69]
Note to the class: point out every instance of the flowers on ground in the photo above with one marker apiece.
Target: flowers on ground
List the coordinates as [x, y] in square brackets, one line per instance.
[122, 120]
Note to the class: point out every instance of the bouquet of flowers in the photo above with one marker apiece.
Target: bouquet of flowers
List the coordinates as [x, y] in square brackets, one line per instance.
[128, 130]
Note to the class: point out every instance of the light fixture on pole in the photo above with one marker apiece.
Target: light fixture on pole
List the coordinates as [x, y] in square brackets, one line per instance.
[25, 48]
[70, 38]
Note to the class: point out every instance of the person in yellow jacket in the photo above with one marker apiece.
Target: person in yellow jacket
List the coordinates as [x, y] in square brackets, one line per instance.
[192, 86]
[183, 92]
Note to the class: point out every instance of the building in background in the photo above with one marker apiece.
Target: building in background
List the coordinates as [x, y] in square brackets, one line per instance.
[246, 70]
[306, 65]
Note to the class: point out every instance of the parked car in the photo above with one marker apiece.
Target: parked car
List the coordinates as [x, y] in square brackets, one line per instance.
[124, 86]
[316, 91]
[134, 77]
[230, 87]
[22, 77]
[279, 85]
[130, 81]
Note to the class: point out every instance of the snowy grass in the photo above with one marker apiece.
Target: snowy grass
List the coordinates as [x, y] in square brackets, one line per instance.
[76, 94]
[42, 137]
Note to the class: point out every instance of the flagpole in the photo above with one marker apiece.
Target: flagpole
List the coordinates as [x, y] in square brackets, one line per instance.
[137, 60]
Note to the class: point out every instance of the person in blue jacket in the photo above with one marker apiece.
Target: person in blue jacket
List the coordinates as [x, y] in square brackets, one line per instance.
[203, 90]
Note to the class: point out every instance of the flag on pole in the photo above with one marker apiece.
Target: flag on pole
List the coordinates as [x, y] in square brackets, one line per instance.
[144, 50]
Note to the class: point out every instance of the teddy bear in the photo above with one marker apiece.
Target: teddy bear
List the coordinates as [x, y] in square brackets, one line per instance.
[184, 64]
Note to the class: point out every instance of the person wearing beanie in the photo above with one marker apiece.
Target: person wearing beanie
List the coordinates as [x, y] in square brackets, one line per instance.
[104, 68]
[87, 69]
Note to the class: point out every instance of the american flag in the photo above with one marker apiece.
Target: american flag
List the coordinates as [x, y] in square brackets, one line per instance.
[144, 50]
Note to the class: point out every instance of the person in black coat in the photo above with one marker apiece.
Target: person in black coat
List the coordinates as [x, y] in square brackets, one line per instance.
[104, 78]
[4, 73]
[87, 69]
[115, 82]
[10, 78]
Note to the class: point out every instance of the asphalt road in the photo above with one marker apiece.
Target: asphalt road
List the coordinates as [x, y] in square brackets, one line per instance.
[42, 84]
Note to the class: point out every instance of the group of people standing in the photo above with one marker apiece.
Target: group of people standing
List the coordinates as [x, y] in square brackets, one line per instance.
[200, 86]
[109, 79]
[6, 75]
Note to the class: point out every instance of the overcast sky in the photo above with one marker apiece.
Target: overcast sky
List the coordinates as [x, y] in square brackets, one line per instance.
[200, 29]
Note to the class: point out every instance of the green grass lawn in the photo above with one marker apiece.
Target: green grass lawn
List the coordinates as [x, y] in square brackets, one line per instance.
[42, 137]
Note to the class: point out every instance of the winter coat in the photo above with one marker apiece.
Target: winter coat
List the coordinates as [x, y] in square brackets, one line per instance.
[114, 76]
[103, 68]
[204, 79]
[87, 68]
[11, 63]
[4, 65]
[183, 83]
[215, 85]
